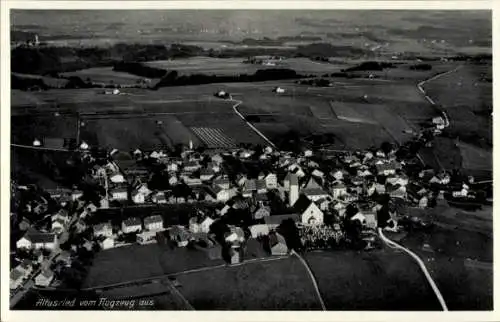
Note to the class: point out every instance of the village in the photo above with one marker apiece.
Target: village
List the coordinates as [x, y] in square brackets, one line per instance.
[249, 197]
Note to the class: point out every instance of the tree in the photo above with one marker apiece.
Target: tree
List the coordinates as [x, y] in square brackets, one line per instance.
[290, 232]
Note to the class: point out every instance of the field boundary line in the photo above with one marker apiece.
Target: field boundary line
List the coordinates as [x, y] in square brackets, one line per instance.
[39, 148]
[393, 244]
[313, 279]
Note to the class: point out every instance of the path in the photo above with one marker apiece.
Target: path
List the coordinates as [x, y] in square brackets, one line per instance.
[393, 244]
[313, 279]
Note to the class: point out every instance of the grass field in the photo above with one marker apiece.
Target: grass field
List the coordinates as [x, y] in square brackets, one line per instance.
[461, 262]
[276, 285]
[235, 66]
[146, 133]
[467, 97]
[24, 129]
[136, 262]
[378, 280]
[475, 158]
[105, 75]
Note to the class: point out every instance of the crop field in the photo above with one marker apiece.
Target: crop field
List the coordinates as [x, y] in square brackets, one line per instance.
[131, 132]
[475, 158]
[105, 75]
[235, 66]
[49, 81]
[123, 264]
[213, 137]
[378, 280]
[134, 262]
[25, 128]
[275, 285]
[232, 127]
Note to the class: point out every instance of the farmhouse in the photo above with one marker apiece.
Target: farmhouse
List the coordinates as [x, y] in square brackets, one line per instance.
[271, 181]
[315, 194]
[154, 222]
[131, 225]
[309, 212]
[338, 189]
[119, 194]
[146, 237]
[117, 178]
[37, 240]
[259, 230]
[222, 182]
[260, 186]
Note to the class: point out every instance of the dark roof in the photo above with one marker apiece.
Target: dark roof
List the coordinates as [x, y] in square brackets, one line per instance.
[314, 192]
[102, 226]
[132, 221]
[301, 204]
[277, 219]
[153, 219]
[40, 237]
[250, 185]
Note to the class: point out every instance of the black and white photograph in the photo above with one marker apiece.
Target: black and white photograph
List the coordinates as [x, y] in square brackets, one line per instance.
[249, 160]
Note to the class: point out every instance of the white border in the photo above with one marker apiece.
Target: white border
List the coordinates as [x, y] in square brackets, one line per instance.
[7, 315]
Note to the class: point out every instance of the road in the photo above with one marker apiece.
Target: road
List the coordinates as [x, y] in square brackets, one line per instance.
[393, 244]
[313, 279]
[235, 109]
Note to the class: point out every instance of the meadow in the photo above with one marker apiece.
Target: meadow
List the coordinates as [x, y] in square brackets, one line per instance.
[105, 75]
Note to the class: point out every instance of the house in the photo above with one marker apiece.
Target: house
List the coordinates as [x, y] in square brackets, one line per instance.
[179, 235]
[259, 230]
[260, 186]
[191, 181]
[338, 189]
[338, 175]
[423, 202]
[206, 174]
[224, 210]
[271, 181]
[191, 166]
[397, 191]
[117, 178]
[317, 173]
[103, 229]
[138, 197]
[172, 167]
[205, 225]
[370, 219]
[308, 211]
[58, 226]
[273, 222]
[308, 153]
[217, 158]
[131, 225]
[236, 255]
[312, 183]
[262, 212]
[241, 179]
[357, 181]
[221, 194]
[37, 240]
[194, 225]
[146, 237]
[315, 194]
[222, 182]
[16, 278]
[235, 235]
[277, 244]
[119, 193]
[76, 194]
[172, 180]
[153, 223]
[323, 203]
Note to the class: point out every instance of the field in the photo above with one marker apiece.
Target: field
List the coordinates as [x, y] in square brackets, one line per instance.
[146, 133]
[466, 95]
[379, 280]
[214, 137]
[275, 285]
[137, 262]
[28, 127]
[235, 66]
[461, 256]
[105, 75]
[475, 158]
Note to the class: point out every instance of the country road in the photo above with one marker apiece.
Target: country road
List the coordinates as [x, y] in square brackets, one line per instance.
[393, 244]
[313, 279]
[235, 109]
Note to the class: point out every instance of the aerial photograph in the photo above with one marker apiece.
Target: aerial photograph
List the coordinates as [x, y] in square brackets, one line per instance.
[251, 160]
